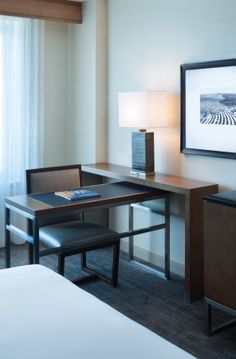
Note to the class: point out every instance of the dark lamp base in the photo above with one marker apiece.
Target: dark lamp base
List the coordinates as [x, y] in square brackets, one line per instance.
[142, 153]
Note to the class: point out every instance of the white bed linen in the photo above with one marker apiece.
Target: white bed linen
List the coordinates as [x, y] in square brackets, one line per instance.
[44, 316]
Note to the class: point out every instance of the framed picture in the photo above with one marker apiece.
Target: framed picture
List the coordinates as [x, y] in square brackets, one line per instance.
[208, 108]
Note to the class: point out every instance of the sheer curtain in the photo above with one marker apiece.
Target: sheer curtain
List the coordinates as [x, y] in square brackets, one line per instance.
[21, 107]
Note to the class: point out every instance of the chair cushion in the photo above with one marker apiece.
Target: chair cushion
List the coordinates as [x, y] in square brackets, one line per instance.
[76, 234]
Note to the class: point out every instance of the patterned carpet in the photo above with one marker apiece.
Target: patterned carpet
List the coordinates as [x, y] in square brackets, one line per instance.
[156, 303]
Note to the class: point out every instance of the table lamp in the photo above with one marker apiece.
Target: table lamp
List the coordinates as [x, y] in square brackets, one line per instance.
[143, 110]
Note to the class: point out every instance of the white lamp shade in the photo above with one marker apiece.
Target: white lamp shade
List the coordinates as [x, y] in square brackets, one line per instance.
[143, 109]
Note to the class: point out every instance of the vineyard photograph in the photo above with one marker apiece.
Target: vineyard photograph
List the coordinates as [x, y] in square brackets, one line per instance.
[218, 109]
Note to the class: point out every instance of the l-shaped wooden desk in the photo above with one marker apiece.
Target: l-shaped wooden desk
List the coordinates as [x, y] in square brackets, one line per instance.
[193, 192]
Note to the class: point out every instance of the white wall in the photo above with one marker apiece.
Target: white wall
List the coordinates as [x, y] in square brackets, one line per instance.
[147, 42]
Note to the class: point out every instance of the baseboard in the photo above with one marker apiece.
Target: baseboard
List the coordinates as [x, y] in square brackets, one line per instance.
[154, 259]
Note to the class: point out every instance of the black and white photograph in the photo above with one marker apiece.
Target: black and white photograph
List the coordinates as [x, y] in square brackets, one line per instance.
[218, 108]
[208, 108]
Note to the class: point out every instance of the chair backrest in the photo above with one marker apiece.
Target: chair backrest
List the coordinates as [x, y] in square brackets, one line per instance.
[51, 179]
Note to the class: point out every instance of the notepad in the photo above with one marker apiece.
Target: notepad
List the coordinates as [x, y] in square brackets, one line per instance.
[76, 194]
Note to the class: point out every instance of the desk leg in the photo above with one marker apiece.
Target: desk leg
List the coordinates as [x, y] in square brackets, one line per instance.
[165, 225]
[208, 319]
[167, 237]
[36, 241]
[131, 228]
[7, 239]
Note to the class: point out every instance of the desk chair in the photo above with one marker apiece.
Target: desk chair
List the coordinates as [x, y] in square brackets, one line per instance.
[66, 235]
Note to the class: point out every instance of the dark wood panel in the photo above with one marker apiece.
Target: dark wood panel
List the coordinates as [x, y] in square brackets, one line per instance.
[194, 254]
[220, 254]
[59, 10]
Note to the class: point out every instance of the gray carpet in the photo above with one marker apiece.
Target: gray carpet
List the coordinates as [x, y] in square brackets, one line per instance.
[156, 303]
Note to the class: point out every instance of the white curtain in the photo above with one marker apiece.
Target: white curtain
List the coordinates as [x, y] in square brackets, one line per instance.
[21, 107]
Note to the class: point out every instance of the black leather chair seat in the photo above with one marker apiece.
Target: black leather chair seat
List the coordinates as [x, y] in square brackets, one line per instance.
[76, 233]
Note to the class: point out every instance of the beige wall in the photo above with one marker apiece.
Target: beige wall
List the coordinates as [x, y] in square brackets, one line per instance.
[75, 88]
[87, 107]
[55, 93]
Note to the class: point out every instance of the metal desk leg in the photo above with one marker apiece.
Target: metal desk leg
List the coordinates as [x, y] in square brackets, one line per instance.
[208, 318]
[166, 225]
[167, 237]
[211, 329]
[131, 228]
[35, 241]
[7, 239]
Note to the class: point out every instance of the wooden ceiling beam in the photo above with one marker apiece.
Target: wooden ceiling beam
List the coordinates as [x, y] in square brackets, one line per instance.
[58, 10]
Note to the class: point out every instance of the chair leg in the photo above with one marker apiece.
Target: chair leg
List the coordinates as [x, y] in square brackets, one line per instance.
[61, 264]
[115, 265]
[113, 279]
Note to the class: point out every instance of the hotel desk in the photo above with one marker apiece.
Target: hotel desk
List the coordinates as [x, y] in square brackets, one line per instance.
[36, 207]
[193, 193]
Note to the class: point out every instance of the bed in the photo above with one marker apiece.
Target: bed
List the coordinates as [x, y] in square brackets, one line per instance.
[44, 316]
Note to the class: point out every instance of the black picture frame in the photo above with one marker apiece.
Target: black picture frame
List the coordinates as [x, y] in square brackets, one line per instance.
[208, 108]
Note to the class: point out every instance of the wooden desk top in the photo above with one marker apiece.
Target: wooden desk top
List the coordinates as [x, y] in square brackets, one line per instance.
[162, 181]
[111, 194]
